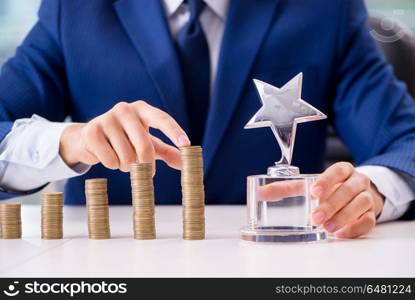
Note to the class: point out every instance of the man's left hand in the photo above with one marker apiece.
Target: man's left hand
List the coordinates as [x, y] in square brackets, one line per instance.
[349, 202]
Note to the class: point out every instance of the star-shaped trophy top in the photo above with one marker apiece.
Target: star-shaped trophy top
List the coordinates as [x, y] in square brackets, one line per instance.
[282, 109]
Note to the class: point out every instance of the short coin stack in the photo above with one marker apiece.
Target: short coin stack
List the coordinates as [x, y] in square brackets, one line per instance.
[98, 210]
[10, 221]
[142, 190]
[52, 216]
[193, 193]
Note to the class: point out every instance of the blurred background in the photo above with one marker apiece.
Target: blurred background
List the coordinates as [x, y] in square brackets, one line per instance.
[16, 19]
[18, 16]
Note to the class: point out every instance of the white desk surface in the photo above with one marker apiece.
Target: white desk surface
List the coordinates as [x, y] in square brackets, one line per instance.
[388, 251]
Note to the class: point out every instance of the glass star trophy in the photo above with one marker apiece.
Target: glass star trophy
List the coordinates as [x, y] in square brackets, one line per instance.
[279, 204]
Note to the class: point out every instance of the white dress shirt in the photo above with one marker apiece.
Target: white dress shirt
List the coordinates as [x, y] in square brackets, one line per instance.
[29, 155]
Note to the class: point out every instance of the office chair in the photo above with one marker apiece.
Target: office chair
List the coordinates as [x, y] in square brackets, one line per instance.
[397, 43]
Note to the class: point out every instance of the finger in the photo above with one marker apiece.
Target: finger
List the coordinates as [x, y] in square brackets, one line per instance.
[98, 145]
[363, 225]
[340, 198]
[281, 189]
[350, 213]
[167, 153]
[89, 158]
[335, 174]
[138, 136]
[158, 119]
[119, 142]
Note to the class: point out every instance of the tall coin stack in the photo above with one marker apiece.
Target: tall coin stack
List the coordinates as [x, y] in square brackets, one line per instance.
[98, 210]
[10, 221]
[193, 193]
[52, 216]
[142, 190]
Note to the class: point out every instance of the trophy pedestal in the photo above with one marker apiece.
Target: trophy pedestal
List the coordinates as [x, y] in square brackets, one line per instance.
[279, 208]
[283, 234]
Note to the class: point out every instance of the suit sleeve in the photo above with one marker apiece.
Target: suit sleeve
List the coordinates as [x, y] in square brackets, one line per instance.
[33, 80]
[373, 112]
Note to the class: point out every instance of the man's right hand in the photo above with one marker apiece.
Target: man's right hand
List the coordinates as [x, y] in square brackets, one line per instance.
[121, 136]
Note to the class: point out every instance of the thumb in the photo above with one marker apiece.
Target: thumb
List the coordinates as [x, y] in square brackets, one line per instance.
[281, 189]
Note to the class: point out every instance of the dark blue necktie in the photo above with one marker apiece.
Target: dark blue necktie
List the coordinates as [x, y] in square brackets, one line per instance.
[193, 53]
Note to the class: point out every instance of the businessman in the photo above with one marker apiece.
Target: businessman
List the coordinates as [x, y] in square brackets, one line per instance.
[140, 78]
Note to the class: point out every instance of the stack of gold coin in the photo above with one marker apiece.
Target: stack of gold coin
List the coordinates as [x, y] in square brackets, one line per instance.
[193, 193]
[52, 216]
[10, 221]
[142, 190]
[98, 210]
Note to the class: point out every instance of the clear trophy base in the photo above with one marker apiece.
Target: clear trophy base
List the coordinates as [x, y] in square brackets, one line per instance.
[279, 207]
[283, 234]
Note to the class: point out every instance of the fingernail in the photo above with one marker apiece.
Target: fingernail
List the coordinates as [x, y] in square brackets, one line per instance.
[183, 141]
[317, 191]
[330, 226]
[318, 217]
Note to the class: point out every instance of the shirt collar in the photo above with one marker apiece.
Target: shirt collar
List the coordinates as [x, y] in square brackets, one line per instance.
[171, 6]
[220, 7]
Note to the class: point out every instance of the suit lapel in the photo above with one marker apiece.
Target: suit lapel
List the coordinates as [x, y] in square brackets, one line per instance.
[146, 25]
[246, 26]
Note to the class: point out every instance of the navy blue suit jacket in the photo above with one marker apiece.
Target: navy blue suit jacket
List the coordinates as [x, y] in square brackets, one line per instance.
[82, 57]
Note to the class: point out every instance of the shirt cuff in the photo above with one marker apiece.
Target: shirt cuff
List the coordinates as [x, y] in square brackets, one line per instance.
[60, 170]
[30, 155]
[397, 189]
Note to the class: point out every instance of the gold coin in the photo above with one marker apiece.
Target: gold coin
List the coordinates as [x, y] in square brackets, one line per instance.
[97, 208]
[193, 194]
[10, 221]
[142, 191]
[52, 216]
